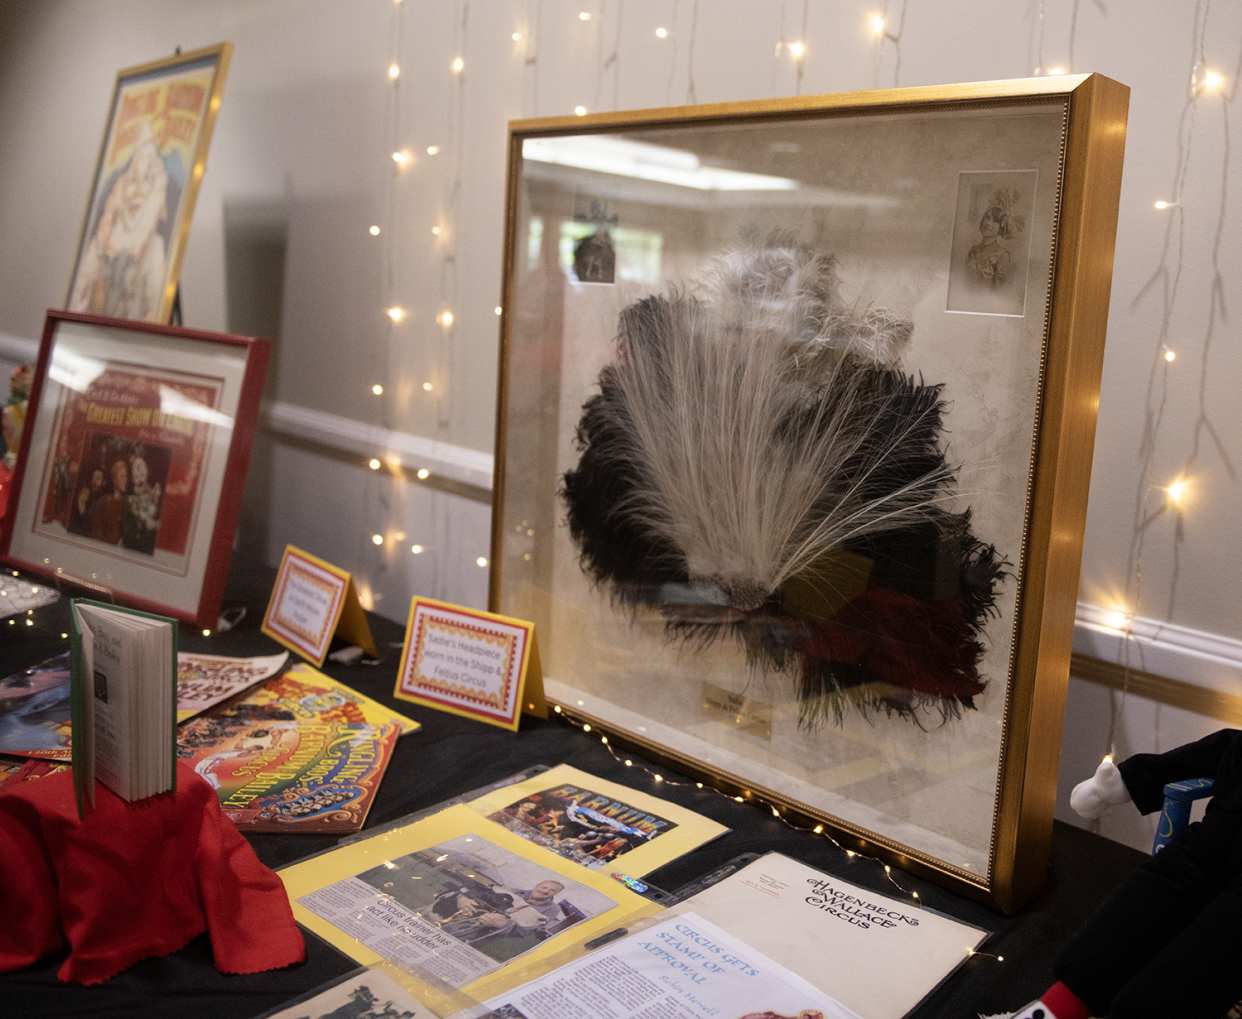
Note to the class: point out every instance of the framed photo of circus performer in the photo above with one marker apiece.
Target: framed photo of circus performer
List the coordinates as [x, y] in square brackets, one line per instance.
[796, 497]
[150, 166]
[133, 459]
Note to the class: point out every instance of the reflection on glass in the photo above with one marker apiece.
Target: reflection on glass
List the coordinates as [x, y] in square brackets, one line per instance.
[794, 474]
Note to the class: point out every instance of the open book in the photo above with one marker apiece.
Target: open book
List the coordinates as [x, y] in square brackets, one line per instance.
[123, 690]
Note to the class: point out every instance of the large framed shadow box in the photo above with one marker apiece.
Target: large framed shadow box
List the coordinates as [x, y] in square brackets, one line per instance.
[795, 425]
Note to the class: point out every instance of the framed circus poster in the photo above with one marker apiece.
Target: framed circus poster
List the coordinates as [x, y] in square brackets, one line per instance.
[147, 176]
[133, 458]
[794, 437]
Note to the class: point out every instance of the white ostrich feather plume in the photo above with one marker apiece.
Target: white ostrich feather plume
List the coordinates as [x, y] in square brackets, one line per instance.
[746, 402]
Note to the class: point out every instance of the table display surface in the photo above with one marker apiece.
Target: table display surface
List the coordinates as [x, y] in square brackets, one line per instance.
[452, 755]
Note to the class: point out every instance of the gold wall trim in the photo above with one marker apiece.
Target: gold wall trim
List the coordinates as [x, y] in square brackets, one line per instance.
[1224, 707]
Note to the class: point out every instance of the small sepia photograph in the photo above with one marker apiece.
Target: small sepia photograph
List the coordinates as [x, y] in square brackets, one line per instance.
[990, 259]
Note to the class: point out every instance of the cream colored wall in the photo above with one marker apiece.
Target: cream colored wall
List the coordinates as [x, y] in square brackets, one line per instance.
[302, 156]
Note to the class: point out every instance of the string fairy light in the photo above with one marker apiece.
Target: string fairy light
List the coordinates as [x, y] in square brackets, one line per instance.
[1165, 501]
[749, 796]
[884, 32]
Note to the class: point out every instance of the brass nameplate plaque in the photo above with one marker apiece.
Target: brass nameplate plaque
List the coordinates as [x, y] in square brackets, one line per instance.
[744, 713]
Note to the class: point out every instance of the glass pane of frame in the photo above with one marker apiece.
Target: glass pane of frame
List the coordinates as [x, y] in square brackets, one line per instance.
[769, 439]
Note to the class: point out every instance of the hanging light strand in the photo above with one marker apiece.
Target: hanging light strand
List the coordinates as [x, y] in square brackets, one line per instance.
[776, 810]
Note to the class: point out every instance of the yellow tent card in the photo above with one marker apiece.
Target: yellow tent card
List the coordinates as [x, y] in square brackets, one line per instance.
[311, 601]
[458, 897]
[471, 663]
[595, 823]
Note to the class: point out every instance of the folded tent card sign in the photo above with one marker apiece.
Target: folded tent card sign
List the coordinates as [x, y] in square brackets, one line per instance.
[812, 424]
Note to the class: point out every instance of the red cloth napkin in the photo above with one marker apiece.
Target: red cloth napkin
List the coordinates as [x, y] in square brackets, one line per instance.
[133, 880]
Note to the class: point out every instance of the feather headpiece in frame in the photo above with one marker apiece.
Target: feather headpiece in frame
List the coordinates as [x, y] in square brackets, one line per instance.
[758, 465]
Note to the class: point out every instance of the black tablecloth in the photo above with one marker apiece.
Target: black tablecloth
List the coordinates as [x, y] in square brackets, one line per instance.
[452, 755]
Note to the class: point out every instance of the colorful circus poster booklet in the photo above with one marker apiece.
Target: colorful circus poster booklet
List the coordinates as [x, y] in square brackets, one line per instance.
[34, 703]
[877, 955]
[34, 711]
[680, 968]
[203, 681]
[458, 898]
[301, 753]
[598, 824]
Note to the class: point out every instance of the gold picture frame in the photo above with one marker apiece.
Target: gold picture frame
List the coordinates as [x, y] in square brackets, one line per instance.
[901, 683]
[150, 166]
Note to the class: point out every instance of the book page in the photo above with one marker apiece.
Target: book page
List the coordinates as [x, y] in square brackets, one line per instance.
[109, 697]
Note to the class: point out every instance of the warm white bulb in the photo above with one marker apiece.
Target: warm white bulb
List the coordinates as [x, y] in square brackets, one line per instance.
[396, 314]
[498, 309]
[1177, 492]
[458, 64]
[377, 539]
[1170, 355]
[206, 633]
[1162, 205]
[516, 37]
[580, 111]
[877, 24]
[432, 149]
[416, 549]
[373, 464]
[661, 33]
[1056, 70]
[427, 386]
[1115, 620]
[377, 389]
[424, 474]
[394, 71]
[584, 16]
[446, 318]
[399, 157]
[1212, 80]
[796, 49]
[481, 561]
[437, 230]
[375, 231]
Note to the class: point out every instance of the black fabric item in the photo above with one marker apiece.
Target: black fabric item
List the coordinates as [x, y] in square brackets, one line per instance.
[1218, 757]
[1167, 942]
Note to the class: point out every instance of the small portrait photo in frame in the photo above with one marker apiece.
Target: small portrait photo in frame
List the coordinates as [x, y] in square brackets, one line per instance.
[990, 260]
[133, 459]
[146, 180]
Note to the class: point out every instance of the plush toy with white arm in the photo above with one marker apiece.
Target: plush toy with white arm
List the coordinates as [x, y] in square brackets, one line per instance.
[1168, 941]
[1102, 790]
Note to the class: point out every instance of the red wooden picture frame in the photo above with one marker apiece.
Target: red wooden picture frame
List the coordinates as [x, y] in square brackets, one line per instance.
[133, 461]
